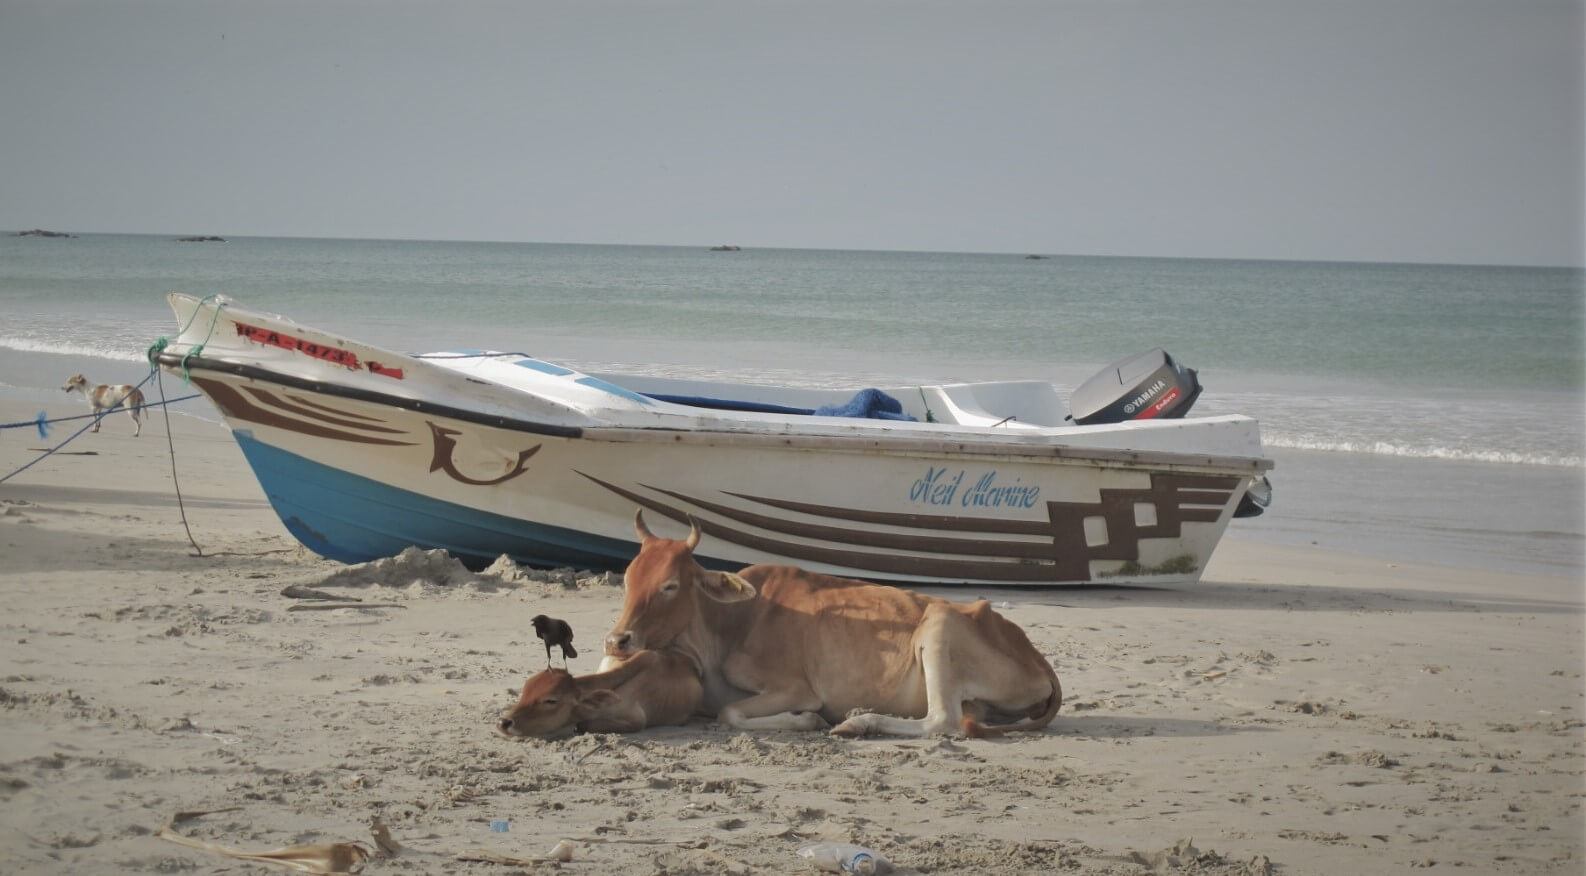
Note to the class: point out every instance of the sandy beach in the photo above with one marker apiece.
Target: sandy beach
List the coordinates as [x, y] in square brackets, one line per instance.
[1301, 711]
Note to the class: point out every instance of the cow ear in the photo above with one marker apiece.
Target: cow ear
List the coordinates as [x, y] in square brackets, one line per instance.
[596, 700]
[726, 587]
[594, 703]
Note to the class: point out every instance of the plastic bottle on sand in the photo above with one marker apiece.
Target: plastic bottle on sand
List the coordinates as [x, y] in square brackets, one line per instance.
[844, 858]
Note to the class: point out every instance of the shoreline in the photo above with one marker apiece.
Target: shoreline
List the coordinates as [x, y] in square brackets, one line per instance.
[1325, 711]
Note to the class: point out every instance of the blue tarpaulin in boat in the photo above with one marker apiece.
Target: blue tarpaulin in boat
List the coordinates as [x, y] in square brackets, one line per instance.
[869, 404]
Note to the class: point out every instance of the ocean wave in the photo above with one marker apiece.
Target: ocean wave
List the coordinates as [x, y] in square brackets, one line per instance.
[27, 345]
[1422, 451]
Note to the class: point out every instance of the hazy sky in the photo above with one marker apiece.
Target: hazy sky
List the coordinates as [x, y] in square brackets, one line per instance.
[1401, 130]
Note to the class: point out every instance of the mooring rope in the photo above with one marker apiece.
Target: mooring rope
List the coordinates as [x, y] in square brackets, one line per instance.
[929, 417]
[162, 342]
[154, 351]
[40, 421]
[170, 442]
[97, 416]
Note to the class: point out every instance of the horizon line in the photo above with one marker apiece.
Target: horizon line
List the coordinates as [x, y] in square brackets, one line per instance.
[1021, 253]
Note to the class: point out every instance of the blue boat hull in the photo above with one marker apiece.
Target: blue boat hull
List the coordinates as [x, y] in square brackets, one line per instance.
[352, 519]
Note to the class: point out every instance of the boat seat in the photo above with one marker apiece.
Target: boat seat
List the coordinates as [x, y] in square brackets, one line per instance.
[959, 406]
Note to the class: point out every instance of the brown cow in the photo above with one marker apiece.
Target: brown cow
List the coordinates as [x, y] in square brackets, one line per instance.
[808, 649]
[650, 689]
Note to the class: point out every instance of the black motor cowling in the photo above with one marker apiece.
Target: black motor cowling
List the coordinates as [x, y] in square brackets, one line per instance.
[1144, 387]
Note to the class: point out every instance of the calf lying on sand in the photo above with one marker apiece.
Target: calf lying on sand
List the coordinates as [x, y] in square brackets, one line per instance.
[649, 689]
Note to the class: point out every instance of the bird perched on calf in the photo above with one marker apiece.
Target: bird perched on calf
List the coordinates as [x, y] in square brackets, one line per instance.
[555, 632]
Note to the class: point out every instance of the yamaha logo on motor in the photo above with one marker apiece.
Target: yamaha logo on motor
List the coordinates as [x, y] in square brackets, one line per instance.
[1140, 400]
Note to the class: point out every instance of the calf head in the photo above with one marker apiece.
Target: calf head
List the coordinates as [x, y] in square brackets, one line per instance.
[664, 591]
[546, 707]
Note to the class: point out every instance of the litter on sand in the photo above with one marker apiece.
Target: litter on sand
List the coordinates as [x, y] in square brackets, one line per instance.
[561, 853]
[298, 591]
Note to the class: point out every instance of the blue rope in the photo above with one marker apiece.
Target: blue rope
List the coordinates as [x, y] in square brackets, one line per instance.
[154, 370]
[43, 424]
[96, 418]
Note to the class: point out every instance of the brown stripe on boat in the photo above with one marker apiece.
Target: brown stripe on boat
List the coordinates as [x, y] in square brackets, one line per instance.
[1035, 550]
[330, 410]
[443, 441]
[234, 404]
[884, 563]
[919, 521]
[1065, 558]
[1168, 495]
[270, 398]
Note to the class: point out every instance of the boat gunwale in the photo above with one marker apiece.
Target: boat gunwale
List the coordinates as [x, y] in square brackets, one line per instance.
[255, 372]
[1105, 456]
[1108, 457]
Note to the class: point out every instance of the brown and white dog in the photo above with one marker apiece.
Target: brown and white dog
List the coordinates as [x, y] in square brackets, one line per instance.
[103, 397]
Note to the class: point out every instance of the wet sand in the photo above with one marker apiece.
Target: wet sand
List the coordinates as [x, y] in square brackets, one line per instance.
[1301, 711]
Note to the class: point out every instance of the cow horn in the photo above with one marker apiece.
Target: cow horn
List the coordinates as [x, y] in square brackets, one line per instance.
[693, 534]
[639, 528]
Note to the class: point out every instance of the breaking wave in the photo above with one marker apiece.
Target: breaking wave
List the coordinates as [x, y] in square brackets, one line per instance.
[1422, 451]
[27, 345]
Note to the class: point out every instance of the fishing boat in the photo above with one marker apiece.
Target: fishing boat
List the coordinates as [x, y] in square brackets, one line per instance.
[363, 452]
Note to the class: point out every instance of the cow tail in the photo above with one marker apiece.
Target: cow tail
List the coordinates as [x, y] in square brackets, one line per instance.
[973, 729]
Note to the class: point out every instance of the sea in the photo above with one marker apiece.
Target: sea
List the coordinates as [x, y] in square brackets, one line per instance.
[1417, 413]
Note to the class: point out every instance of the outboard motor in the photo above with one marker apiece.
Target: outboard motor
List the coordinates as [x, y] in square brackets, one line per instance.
[1150, 386]
[1144, 387]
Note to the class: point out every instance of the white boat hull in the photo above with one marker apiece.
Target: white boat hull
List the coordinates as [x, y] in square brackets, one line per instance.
[358, 469]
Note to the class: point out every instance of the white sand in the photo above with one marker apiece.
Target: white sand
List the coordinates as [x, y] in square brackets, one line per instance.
[1325, 712]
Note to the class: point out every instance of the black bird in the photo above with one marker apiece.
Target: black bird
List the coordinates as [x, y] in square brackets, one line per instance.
[554, 632]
